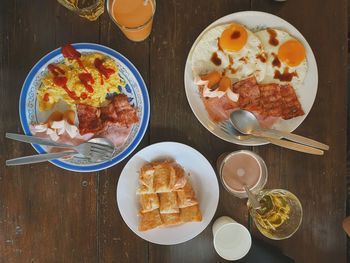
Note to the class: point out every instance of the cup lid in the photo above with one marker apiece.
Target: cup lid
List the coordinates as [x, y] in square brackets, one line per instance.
[232, 241]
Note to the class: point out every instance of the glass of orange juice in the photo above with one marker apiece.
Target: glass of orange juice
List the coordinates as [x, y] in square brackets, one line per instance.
[133, 17]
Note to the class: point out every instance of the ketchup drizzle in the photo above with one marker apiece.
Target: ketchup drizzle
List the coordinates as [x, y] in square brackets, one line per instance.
[276, 62]
[273, 40]
[55, 70]
[107, 72]
[83, 95]
[87, 78]
[68, 51]
[101, 78]
[261, 57]
[46, 97]
[215, 59]
[61, 80]
[285, 76]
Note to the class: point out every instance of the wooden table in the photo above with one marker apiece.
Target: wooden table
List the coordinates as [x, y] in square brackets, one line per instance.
[51, 215]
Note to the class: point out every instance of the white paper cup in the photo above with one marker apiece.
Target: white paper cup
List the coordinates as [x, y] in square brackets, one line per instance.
[232, 241]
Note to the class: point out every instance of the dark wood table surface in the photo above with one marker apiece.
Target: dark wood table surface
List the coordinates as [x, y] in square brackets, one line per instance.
[51, 215]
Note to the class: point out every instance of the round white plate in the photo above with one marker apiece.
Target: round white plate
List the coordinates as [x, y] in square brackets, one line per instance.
[255, 21]
[135, 89]
[203, 179]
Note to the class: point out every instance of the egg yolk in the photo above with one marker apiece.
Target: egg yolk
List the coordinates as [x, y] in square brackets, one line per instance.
[233, 38]
[292, 53]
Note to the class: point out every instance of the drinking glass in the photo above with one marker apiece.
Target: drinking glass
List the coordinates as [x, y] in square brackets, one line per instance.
[280, 214]
[89, 9]
[133, 17]
[240, 168]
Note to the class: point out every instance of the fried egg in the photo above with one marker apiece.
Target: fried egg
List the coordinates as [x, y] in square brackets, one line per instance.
[231, 49]
[286, 57]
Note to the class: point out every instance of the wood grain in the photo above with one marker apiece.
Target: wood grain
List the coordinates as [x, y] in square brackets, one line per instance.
[319, 182]
[51, 215]
[46, 214]
[116, 241]
[172, 119]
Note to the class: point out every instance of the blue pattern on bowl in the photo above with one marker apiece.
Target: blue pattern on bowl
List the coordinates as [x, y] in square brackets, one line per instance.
[135, 89]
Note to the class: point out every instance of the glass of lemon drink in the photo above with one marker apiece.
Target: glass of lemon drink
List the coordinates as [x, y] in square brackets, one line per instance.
[280, 214]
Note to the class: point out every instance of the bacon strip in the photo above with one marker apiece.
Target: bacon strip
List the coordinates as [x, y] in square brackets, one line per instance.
[267, 101]
[249, 93]
[270, 100]
[119, 111]
[291, 106]
[89, 119]
[97, 120]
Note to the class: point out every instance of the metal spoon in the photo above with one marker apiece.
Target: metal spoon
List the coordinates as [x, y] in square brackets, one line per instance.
[252, 198]
[246, 123]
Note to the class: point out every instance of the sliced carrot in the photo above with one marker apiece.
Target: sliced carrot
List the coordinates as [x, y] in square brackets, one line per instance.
[213, 78]
[224, 84]
[69, 116]
[55, 116]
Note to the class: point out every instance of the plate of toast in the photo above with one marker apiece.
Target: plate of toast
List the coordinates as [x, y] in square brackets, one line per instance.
[167, 193]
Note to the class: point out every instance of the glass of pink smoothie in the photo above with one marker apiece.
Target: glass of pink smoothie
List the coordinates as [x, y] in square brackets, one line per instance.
[241, 168]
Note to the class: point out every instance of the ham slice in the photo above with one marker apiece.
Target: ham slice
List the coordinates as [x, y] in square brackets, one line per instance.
[117, 135]
[63, 138]
[219, 109]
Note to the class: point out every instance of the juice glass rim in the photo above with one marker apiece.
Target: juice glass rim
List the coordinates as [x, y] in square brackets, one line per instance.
[126, 27]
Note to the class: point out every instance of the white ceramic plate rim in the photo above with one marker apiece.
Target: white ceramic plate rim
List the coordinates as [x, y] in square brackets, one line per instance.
[262, 19]
[208, 215]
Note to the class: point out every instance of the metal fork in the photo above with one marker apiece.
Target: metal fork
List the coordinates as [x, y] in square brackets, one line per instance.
[97, 149]
[227, 127]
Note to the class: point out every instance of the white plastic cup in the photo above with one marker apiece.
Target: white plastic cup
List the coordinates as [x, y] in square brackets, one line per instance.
[232, 241]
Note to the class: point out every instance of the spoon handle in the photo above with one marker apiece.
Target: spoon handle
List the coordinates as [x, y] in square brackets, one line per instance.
[293, 137]
[295, 146]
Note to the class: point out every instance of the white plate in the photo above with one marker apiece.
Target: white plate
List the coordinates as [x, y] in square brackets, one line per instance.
[306, 92]
[203, 179]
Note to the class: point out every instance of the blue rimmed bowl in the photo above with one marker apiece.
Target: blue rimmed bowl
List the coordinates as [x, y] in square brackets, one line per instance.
[135, 89]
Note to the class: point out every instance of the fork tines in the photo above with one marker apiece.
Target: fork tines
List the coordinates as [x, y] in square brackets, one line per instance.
[226, 127]
[102, 150]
